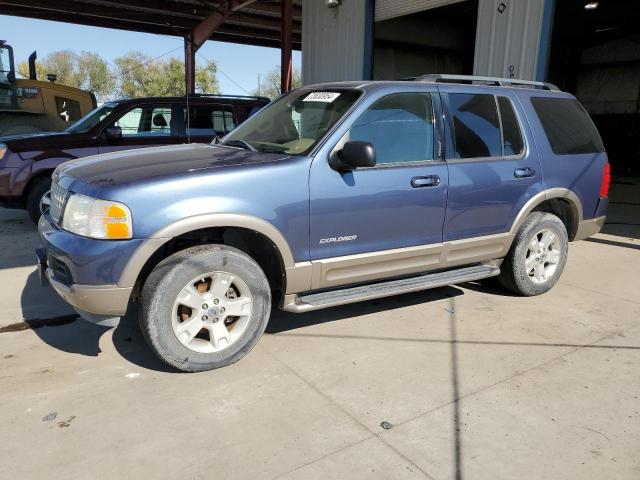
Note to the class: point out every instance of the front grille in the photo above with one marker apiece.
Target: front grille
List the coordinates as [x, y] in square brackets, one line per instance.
[58, 196]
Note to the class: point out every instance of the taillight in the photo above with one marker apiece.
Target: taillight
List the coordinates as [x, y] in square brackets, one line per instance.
[606, 180]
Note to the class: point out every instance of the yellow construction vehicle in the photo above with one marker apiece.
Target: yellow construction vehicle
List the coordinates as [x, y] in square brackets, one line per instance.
[31, 105]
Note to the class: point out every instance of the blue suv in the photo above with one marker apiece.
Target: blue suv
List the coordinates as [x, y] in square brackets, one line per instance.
[334, 193]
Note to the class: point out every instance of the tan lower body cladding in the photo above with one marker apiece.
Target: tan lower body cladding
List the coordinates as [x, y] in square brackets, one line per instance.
[365, 267]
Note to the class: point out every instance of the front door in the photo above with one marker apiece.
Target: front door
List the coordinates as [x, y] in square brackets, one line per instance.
[144, 126]
[492, 169]
[396, 204]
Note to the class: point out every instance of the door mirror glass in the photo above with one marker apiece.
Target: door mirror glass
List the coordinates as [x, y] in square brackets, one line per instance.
[354, 154]
[113, 133]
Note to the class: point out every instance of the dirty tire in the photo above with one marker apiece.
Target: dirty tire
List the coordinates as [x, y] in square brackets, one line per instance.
[168, 279]
[37, 190]
[513, 273]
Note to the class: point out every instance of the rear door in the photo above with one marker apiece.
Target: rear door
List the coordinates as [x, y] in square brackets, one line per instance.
[493, 168]
[144, 126]
[206, 121]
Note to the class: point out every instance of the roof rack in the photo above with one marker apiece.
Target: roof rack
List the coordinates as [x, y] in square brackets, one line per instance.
[241, 97]
[500, 82]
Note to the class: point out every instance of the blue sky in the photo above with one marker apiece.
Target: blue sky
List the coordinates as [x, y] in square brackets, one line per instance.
[239, 62]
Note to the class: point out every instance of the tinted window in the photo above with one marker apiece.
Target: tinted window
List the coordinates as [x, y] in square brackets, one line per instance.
[476, 125]
[567, 126]
[511, 134]
[399, 126]
[209, 121]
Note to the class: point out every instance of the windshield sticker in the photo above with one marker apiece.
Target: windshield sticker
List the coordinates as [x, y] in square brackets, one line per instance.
[327, 97]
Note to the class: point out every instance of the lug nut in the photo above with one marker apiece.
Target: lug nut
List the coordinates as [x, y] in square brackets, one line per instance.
[215, 320]
[205, 306]
[221, 309]
[216, 301]
[205, 318]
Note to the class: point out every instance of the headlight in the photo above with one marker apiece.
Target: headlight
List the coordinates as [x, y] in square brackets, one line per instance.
[94, 218]
[3, 150]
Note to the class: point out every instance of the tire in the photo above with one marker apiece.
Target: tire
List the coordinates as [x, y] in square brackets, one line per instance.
[548, 256]
[169, 325]
[39, 188]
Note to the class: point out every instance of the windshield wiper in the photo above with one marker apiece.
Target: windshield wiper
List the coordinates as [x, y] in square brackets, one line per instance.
[240, 144]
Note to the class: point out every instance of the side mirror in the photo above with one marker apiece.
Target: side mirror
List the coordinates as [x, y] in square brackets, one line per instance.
[113, 133]
[354, 154]
[11, 76]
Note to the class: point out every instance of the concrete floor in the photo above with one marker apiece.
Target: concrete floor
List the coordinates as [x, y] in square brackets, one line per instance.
[476, 384]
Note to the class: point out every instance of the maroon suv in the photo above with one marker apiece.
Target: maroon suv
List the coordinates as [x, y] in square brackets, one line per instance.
[27, 161]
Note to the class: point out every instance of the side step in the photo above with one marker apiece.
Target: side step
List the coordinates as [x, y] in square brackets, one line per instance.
[315, 301]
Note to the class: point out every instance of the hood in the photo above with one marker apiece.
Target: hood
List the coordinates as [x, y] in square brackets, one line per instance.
[147, 164]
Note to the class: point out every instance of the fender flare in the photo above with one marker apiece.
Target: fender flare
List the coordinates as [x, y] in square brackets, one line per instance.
[537, 199]
[160, 237]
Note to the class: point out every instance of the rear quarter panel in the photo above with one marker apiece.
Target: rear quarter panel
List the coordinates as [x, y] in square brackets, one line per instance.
[582, 174]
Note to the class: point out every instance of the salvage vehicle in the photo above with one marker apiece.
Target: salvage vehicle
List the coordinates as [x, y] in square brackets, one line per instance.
[333, 194]
[27, 161]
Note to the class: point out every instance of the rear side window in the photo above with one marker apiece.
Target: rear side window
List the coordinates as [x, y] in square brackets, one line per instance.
[68, 110]
[476, 125]
[567, 125]
[511, 134]
[209, 120]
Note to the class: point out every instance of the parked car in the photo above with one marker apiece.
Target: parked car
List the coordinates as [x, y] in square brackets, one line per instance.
[27, 161]
[333, 194]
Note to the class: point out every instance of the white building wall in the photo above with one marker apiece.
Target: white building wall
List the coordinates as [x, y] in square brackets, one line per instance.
[508, 38]
[333, 41]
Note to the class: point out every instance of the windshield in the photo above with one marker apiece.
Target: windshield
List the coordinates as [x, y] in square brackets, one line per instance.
[91, 119]
[5, 64]
[294, 123]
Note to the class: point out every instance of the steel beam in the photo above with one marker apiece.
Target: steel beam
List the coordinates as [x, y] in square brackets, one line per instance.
[286, 67]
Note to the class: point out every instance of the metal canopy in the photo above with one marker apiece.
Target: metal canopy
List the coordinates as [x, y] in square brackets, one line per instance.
[256, 22]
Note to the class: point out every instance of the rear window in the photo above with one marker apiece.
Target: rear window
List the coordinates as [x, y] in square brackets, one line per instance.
[476, 125]
[567, 125]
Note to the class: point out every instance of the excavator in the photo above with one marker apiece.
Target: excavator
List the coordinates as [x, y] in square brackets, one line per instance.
[30, 105]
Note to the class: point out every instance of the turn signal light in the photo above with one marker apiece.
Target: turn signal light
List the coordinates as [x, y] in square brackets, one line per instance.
[606, 180]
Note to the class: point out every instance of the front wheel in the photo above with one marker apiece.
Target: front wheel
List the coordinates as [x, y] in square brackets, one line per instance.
[537, 257]
[204, 307]
[39, 198]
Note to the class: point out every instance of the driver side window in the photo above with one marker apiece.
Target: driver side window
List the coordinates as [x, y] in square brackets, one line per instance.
[399, 126]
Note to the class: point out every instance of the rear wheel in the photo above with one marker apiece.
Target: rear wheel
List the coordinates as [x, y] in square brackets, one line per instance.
[38, 198]
[537, 257]
[205, 307]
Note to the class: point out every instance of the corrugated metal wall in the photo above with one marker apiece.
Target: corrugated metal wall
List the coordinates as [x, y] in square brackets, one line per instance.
[333, 41]
[386, 9]
[508, 38]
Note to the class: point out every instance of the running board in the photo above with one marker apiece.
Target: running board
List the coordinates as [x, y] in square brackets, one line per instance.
[315, 301]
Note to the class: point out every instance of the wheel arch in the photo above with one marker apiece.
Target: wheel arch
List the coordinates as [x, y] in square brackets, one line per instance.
[32, 181]
[247, 233]
[561, 202]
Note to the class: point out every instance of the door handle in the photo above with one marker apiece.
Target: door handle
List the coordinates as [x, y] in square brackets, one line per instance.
[427, 181]
[524, 172]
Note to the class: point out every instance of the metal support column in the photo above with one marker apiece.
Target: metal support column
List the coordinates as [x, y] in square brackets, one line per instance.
[189, 65]
[286, 34]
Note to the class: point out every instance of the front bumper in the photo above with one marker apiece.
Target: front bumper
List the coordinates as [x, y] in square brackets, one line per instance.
[85, 272]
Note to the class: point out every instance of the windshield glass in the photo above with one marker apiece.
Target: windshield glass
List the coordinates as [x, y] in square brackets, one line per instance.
[5, 64]
[91, 119]
[294, 123]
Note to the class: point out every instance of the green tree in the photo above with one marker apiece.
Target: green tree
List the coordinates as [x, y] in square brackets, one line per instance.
[141, 76]
[85, 70]
[270, 84]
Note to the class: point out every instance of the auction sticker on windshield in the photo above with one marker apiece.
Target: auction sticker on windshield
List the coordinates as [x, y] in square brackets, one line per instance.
[321, 97]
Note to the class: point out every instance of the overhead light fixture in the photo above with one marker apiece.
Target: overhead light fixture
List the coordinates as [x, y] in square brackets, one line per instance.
[591, 6]
[333, 3]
